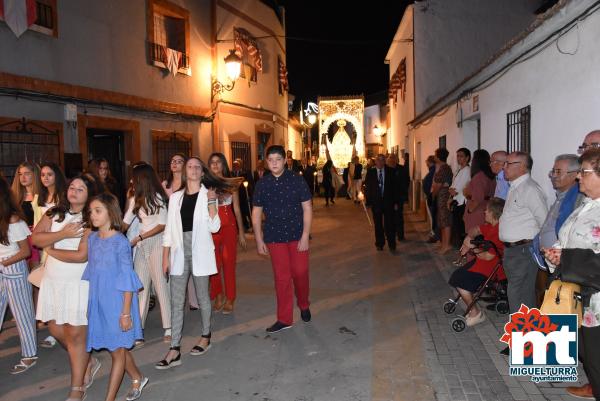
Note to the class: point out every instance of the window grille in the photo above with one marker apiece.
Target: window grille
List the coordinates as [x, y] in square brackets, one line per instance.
[164, 147]
[241, 150]
[24, 140]
[44, 14]
[518, 130]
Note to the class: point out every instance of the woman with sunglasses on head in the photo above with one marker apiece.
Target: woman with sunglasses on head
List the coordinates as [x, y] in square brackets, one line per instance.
[226, 240]
[188, 249]
[149, 205]
[173, 184]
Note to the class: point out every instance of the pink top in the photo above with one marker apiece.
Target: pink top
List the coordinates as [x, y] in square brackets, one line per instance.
[481, 189]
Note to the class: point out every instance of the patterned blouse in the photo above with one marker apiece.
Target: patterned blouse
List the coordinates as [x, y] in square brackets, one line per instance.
[582, 230]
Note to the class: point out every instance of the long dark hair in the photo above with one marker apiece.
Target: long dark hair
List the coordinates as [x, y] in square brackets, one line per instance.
[93, 189]
[60, 186]
[223, 159]
[481, 162]
[209, 180]
[170, 177]
[149, 195]
[8, 207]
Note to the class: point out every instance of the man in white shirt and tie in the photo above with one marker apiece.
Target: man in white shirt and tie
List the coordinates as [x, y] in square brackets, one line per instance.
[524, 213]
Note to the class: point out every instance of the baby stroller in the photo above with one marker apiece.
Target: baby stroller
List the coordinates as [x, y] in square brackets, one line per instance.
[491, 284]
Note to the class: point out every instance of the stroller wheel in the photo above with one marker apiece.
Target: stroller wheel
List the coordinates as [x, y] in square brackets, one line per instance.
[502, 307]
[449, 306]
[458, 324]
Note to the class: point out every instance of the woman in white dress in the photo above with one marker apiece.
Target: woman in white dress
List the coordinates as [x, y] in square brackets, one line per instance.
[63, 295]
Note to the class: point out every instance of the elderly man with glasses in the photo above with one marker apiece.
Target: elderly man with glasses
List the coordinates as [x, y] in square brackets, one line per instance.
[524, 213]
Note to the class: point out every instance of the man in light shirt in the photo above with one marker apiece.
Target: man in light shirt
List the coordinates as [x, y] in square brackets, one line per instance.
[460, 181]
[524, 213]
[497, 163]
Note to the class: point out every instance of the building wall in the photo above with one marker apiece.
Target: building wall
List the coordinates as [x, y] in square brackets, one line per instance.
[261, 98]
[562, 90]
[103, 45]
[452, 39]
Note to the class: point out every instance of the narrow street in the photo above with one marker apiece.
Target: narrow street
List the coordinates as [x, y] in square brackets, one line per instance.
[378, 333]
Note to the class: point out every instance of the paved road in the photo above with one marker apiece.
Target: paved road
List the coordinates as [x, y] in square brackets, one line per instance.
[378, 333]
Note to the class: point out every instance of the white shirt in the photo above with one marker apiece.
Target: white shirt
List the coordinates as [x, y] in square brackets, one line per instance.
[16, 232]
[147, 222]
[524, 211]
[204, 262]
[460, 181]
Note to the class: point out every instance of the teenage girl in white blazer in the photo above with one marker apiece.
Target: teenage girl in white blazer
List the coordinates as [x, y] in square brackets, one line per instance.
[188, 249]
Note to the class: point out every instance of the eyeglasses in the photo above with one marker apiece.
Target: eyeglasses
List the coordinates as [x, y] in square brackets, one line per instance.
[176, 161]
[507, 163]
[585, 171]
[586, 146]
[559, 172]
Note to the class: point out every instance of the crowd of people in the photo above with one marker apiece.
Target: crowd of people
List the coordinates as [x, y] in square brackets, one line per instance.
[174, 240]
[98, 260]
[494, 198]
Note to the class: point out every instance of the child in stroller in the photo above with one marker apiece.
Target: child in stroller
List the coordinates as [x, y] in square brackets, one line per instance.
[485, 249]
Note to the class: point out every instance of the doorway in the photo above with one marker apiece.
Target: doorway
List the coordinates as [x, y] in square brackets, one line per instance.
[110, 145]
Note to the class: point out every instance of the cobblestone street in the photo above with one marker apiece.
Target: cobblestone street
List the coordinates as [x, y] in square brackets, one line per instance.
[378, 333]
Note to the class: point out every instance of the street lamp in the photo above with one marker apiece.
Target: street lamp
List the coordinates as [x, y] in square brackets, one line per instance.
[233, 65]
[248, 200]
[377, 131]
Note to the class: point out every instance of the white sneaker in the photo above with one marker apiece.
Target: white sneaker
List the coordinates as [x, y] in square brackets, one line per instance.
[48, 342]
[472, 321]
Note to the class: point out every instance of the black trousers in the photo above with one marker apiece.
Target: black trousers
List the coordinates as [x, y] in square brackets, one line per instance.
[329, 190]
[458, 226]
[400, 221]
[591, 357]
[384, 220]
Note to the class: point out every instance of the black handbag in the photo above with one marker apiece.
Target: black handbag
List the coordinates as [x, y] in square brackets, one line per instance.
[581, 266]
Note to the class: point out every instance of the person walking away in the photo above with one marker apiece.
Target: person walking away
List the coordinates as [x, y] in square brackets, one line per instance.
[285, 200]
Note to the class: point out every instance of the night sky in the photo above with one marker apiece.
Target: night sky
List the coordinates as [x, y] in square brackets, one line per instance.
[342, 48]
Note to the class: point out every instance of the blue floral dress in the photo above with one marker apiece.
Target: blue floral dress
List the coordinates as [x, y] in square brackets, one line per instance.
[110, 273]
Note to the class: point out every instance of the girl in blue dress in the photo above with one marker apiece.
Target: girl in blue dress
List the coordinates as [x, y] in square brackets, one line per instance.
[113, 312]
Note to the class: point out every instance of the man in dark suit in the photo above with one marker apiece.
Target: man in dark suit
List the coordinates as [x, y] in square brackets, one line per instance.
[295, 164]
[260, 171]
[402, 179]
[244, 193]
[382, 197]
[308, 172]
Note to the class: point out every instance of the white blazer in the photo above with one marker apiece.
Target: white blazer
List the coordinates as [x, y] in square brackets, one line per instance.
[203, 249]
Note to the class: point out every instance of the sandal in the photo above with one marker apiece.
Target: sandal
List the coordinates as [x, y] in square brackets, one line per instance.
[164, 364]
[22, 366]
[95, 368]
[136, 393]
[198, 349]
[81, 390]
[48, 342]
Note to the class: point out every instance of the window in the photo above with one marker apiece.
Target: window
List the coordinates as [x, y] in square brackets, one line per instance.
[169, 36]
[241, 150]
[518, 130]
[165, 145]
[45, 17]
[442, 142]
